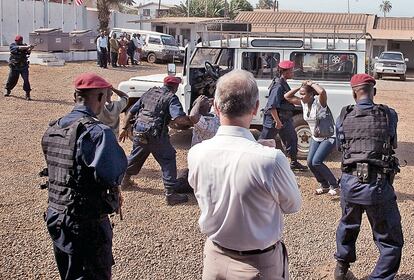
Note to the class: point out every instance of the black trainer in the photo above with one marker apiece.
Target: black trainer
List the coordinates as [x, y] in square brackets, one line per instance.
[341, 270]
[28, 96]
[296, 165]
[174, 198]
[7, 93]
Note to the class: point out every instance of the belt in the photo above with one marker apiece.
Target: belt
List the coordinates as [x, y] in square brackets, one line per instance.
[247, 253]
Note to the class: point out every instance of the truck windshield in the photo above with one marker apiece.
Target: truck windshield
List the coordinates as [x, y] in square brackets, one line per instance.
[391, 56]
[168, 40]
[324, 66]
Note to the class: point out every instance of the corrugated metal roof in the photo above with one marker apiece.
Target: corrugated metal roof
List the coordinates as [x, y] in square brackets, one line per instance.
[300, 19]
[395, 23]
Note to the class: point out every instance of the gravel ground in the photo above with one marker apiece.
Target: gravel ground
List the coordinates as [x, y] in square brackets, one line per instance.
[156, 241]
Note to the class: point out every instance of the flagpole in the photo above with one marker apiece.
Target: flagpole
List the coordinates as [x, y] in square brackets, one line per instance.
[1, 23]
[18, 15]
[63, 16]
[34, 15]
[76, 15]
[48, 14]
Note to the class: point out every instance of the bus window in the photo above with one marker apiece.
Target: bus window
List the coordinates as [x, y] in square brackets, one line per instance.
[324, 66]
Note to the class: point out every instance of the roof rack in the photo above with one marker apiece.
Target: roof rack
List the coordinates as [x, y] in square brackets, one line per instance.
[224, 30]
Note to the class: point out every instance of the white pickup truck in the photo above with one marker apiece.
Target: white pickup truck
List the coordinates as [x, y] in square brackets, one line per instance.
[316, 61]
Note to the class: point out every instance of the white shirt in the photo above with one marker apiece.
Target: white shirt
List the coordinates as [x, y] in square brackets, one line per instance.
[310, 117]
[110, 114]
[102, 42]
[242, 188]
[205, 128]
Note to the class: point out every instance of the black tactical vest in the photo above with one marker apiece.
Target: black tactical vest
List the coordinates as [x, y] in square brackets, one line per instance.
[72, 187]
[365, 135]
[19, 59]
[155, 108]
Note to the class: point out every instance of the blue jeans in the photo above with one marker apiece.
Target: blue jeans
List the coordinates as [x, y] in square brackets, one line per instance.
[318, 151]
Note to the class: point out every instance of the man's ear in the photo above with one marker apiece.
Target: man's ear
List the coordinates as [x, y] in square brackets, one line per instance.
[354, 94]
[256, 108]
[216, 109]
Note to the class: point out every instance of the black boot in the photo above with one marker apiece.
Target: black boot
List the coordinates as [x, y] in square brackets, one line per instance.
[7, 93]
[296, 165]
[341, 270]
[173, 198]
[28, 96]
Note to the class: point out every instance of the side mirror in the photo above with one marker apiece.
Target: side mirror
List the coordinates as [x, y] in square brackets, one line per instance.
[376, 58]
[171, 69]
[406, 59]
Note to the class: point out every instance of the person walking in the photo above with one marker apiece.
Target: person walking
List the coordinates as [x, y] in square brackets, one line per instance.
[314, 104]
[367, 137]
[155, 110]
[243, 188]
[278, 115]
[85, 166]
[114, 48]
[19, 66]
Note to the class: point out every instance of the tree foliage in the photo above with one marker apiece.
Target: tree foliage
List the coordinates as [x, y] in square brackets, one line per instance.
[265, 4]
[104, 12]
[209, 8]
[385, 7]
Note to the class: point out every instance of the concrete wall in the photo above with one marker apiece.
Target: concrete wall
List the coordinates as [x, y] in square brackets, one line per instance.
[23, 17]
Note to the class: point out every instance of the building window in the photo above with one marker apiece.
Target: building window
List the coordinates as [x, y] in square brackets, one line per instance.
[146, 12]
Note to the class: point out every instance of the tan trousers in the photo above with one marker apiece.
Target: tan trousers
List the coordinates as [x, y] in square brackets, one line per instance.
[220, 265]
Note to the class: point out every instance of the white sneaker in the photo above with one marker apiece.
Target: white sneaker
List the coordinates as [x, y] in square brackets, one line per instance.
[333, 192]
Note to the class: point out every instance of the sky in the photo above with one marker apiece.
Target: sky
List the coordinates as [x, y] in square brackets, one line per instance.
[400, 8]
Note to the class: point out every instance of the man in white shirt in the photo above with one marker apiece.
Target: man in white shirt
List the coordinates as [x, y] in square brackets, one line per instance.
[112, 109]
[243, 188]
[102, 48]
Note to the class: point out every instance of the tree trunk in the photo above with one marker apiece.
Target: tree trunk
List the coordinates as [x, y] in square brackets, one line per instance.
[103, 14]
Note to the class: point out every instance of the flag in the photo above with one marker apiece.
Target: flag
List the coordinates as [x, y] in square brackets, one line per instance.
[79, 2]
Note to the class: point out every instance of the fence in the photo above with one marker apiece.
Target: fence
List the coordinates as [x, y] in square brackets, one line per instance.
[24, 16]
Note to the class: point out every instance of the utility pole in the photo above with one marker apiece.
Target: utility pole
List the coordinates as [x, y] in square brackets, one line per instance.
[276, 6]
[226, 9]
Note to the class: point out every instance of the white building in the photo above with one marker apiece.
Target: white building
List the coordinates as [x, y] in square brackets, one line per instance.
[149, 11]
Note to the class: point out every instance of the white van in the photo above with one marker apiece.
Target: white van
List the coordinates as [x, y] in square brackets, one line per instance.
[157, 46]
[317, 59]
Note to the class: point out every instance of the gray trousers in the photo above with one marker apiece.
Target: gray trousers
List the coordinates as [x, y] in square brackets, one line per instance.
[217, 264]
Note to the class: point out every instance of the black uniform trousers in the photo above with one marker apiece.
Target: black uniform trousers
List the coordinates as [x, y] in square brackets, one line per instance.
[385, 221]
[14, 74]
[83, 250]
[114, 59]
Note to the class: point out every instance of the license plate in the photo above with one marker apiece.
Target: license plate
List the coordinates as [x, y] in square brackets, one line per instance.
[388, 71]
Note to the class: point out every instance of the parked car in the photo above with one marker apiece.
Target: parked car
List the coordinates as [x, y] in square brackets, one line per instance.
[390, 64]
[157, 46]
[332, 68]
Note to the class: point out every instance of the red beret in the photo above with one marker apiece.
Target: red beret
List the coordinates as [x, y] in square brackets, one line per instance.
[172, 80]
[18, 38]
[90, 81]
[286, 64]
[362, 79]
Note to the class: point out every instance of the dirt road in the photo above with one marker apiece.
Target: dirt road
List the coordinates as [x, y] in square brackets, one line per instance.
[156, 241]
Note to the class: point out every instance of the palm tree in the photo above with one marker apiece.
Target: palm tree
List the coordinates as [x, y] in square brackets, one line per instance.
[385, 7]
[104, 12]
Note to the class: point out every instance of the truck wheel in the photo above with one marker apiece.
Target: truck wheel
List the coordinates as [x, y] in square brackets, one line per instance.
[376, 76]
[304, 135]
[403, 77]
[151, 58]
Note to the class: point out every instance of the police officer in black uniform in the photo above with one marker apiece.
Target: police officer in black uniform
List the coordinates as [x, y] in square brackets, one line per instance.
[85, 165]
[367, 137]
[155, 110]
[278, 115]
[19, 65]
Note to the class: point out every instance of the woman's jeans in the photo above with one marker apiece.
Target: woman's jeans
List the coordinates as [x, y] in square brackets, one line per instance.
[318, 151]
